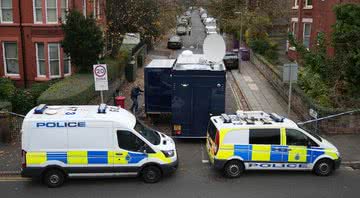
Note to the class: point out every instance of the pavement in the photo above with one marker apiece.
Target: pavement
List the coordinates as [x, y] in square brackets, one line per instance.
[261, 95]
[194, 177]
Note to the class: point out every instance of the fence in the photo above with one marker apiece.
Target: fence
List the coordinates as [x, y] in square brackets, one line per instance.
[10, 126]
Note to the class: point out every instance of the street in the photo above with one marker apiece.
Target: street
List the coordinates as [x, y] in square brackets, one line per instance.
[195, 177]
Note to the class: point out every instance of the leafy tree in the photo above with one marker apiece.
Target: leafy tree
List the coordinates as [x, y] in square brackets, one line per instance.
[83, 40]
[346, 40]
[133, 16]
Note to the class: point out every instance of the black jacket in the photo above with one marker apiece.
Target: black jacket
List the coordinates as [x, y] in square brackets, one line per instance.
[135, 92]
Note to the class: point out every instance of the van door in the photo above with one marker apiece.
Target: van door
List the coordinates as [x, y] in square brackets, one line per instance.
[129, 154]
[266, 145]
[297, 143]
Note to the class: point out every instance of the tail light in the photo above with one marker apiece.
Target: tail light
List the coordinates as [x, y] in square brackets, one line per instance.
[23, 159]
[177, 129]
[217, 142]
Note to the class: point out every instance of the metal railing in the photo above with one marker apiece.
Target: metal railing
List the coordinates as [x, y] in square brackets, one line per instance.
[10, 126]
[332, 121]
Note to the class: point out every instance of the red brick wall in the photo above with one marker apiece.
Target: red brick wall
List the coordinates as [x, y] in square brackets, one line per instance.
[323, 18]
[45, 33]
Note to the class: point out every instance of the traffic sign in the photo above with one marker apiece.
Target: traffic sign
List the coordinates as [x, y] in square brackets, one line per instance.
[100, 77]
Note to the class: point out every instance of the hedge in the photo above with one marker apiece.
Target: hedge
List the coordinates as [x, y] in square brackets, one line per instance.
[76, 89]
[79, 88]
[5, 106]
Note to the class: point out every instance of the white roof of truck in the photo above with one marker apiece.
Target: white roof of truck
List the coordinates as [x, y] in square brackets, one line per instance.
[189, 61]
[161, 63]
[119, 116]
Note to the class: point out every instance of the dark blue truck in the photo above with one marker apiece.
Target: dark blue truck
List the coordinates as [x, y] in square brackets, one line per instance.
[196, 91]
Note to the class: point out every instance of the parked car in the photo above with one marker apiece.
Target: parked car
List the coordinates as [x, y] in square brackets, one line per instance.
[175, 42]
[231, 60]
[181, 30]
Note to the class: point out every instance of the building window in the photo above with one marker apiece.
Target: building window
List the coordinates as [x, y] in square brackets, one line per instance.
[6, 11]
[40, 59]
[296, 4]
[51, 11]
[64, 9]
[84, 8]
[38, 11]
[294, 29]
[67, 64]
[11, 62]
[308, 3]
[94, 9]
[307, 33]
[54, 59]
[98, 9]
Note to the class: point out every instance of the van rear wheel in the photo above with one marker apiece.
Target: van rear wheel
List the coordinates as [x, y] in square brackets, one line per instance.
[234, 169]
[54, 178]
[151, 174]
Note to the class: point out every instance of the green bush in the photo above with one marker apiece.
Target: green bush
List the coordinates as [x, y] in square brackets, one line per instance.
[5, 106]
[22, 101]
[7, 89]
[76, 89]
[116, 66]
[259, 45]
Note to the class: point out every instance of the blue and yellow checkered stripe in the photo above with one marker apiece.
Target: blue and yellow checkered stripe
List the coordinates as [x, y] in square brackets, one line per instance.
[273, 153]
[85, 157]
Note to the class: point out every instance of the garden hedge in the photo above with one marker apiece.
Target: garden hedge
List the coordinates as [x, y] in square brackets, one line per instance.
[76, 89]
[5, 106]
[79, 89]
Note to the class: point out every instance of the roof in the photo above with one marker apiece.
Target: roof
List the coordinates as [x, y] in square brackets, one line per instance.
[189, 61]
[131, 39]
[119, 116]
[161, 63]
[252, 119]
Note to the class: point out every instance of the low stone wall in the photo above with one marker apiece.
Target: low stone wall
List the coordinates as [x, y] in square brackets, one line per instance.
[300, 103]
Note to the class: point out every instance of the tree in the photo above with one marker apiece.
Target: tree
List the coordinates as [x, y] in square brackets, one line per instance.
[133, 16]
[346, 40]
[83, 40]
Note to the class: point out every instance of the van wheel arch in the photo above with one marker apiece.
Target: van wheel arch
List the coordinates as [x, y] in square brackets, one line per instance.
[48, 168]
[150, 164]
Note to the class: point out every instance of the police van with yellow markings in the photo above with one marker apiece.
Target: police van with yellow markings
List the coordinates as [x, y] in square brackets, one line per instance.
[255, 140]
[64, 141]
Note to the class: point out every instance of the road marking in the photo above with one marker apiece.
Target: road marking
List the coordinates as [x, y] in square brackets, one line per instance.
[13, 179]
[205, 161]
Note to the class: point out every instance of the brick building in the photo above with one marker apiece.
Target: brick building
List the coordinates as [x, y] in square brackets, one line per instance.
[311, 17]
[30, 35]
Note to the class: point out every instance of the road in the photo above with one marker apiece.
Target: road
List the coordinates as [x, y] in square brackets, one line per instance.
[195, 178]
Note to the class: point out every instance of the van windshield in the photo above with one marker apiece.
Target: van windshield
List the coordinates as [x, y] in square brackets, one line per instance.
[151, 135]
[318, 137]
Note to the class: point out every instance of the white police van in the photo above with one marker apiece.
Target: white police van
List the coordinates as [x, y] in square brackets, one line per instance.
[65, 141]
[255, 140]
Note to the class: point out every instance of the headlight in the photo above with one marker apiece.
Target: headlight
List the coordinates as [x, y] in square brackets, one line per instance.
[169, 153]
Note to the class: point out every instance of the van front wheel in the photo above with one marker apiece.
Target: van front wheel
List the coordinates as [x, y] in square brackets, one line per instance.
[324, 167]
[234, 169]
[151, 174]
[54, 178]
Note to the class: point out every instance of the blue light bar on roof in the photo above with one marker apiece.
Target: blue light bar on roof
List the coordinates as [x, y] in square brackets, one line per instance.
[40, 109]
[102, 108]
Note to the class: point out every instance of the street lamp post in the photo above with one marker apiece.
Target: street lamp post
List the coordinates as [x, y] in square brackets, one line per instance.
[240, 40]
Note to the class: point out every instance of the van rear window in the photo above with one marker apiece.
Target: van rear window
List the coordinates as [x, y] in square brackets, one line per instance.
[212, 130]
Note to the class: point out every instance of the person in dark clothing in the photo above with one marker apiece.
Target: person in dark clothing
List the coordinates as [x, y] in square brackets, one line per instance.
[135, 93]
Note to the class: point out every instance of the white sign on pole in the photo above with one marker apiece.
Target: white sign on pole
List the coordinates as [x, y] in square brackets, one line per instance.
[290, 72]
[313, 113]
[100, 77]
